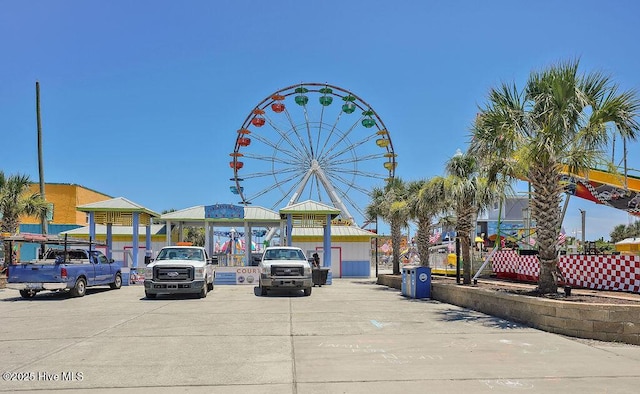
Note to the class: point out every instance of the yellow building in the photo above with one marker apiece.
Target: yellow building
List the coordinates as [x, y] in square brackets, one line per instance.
[65, 197]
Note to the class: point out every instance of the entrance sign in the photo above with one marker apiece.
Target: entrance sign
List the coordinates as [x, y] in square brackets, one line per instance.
[223, 211]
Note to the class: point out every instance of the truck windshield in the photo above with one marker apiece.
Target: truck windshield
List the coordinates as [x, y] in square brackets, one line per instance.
[180, 253]
[284, 254]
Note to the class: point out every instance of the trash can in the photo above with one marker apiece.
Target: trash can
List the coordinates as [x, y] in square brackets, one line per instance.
[422, 282]
[405, 288]
[416, 282]
[319, 276]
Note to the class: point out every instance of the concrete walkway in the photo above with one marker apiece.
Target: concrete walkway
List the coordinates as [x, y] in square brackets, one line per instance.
[351, 337]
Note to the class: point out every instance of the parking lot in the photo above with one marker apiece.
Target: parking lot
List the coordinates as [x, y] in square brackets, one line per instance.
[350, 337]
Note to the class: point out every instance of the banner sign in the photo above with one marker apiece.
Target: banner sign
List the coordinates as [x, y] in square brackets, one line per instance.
[237, 275]
[223, 211]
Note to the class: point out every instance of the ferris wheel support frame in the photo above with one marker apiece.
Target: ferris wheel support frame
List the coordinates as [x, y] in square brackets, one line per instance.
[331, 191]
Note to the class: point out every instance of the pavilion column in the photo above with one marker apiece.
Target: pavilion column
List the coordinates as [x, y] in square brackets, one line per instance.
[92, 228]
[326, 243]
[207, 240]
[289, 229]
[136, 240]
[212, 238]
[247, 243]
[109, 240]
[148, 252]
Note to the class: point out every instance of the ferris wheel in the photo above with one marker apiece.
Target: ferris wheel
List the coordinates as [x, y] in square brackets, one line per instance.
[312, 141]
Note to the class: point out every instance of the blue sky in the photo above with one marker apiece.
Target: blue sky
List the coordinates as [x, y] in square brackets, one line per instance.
[142, 99]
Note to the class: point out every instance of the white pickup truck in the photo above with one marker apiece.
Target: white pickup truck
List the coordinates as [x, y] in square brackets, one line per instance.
[285, 267]
[179, 270]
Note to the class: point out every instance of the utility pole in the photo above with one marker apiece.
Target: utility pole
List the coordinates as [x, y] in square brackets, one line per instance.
[45, 229]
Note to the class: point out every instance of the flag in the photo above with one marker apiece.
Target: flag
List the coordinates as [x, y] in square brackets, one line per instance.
[434, 238]
[562, 237]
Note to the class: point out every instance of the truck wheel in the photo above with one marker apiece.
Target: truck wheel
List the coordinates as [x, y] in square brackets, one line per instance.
[150, 295]
[27, 293]
[117, 282]
[80, 288]
[210, 286]
[307, 291]
[203, 292]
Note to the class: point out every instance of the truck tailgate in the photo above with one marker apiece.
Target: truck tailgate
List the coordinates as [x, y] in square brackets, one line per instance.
[34, 273]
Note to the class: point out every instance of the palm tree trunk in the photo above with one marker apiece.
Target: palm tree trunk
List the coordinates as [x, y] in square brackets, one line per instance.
[464, 227]
[396, 237]
[546, 212]
[465, 245]
[422, 239]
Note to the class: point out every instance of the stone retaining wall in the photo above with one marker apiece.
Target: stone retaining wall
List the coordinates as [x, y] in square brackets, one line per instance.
[604, 322]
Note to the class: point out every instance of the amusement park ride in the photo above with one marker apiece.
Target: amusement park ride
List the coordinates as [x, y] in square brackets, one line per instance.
[620, 191]
[312, 141]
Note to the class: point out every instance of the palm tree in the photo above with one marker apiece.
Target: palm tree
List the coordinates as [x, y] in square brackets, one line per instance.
[390, 203]
[562, 119]
[15, 202]
[426, 202]
[623, 231]
[618, 233]
[195, 235]
[467, 192]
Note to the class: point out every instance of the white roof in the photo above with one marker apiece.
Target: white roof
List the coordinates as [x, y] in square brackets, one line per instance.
[310, 206]
[336, 231]
[115, 204]
[628, 241]
[260, 213]
[197, 214]
[192, 213]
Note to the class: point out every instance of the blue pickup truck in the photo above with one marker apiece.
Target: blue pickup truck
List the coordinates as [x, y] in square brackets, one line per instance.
[64, 269]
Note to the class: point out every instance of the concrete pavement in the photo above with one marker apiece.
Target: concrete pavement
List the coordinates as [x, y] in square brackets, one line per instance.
[351, 337]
